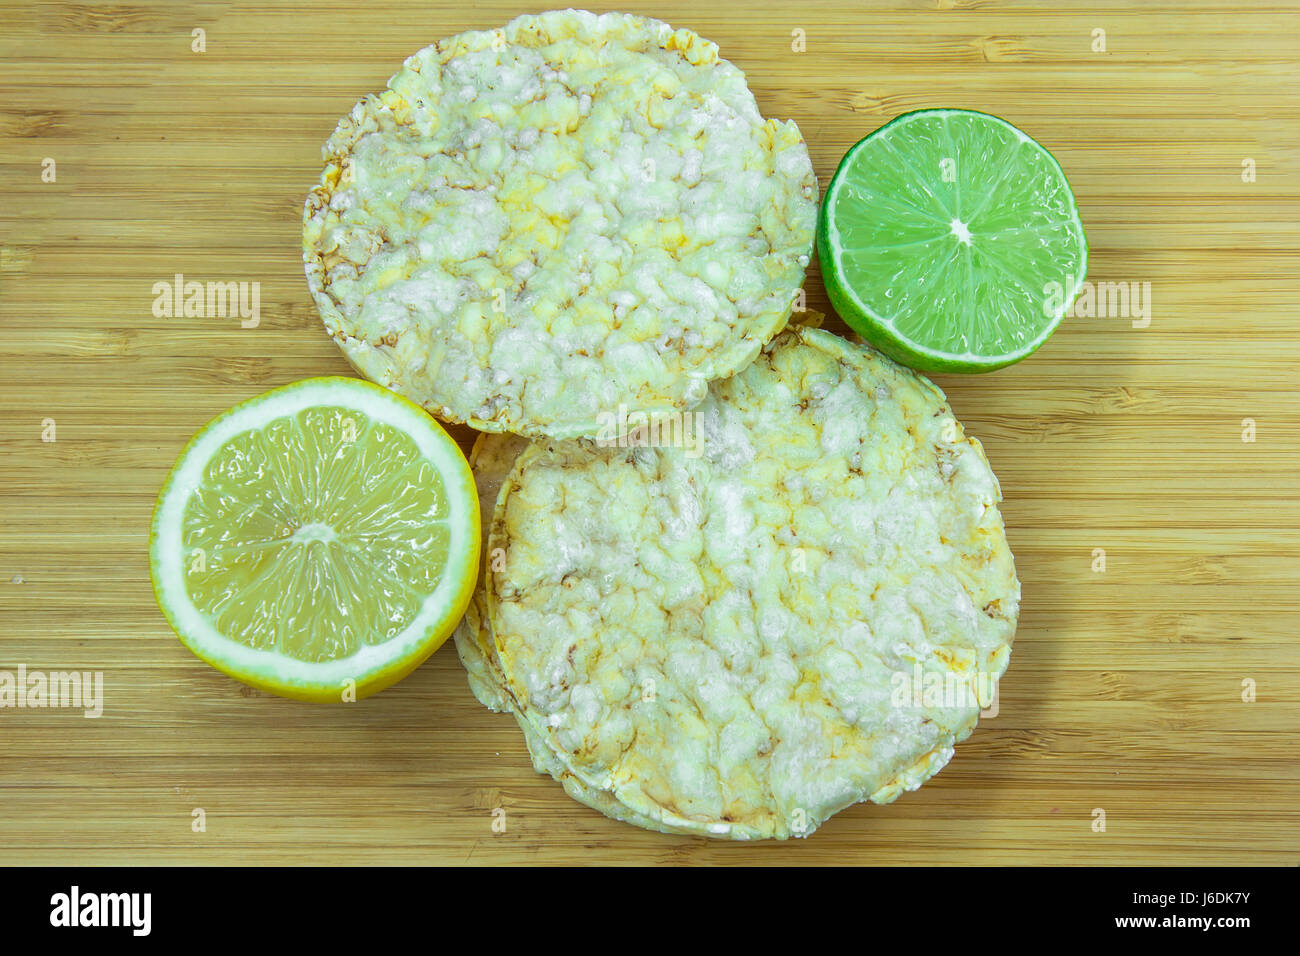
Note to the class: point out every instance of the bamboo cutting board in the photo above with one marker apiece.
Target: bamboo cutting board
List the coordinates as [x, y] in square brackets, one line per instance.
[1149, 463]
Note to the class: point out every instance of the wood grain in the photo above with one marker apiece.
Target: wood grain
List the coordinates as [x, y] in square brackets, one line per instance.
[1125, 689]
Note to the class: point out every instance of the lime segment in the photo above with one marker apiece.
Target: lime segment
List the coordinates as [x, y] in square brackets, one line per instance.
[951, 241]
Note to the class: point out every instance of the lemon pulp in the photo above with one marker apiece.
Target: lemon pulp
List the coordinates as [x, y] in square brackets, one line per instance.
[318, 538]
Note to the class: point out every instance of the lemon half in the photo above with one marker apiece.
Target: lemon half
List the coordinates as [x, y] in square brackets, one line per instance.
[318, 541]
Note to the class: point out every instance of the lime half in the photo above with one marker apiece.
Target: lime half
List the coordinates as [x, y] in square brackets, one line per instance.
[318, 541]
[951, 241]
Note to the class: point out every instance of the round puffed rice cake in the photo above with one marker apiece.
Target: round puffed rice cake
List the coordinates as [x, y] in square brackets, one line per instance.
[492, 457]
[741, 633]
[536, 226]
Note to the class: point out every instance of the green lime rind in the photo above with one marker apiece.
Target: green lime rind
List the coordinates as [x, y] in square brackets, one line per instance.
[1007, 298]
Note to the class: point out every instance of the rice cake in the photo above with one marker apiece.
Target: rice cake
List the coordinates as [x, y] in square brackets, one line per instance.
[491, 460]
[745, 642]
[535, 225]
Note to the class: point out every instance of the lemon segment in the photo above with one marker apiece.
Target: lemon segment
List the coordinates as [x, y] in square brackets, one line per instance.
[318, 541]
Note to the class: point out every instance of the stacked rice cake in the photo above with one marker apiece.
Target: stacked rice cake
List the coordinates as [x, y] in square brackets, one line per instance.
[574, 213]
[742, 641]
[578, 217]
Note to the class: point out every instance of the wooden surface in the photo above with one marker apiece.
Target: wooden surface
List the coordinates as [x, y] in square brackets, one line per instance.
[1125, 688]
